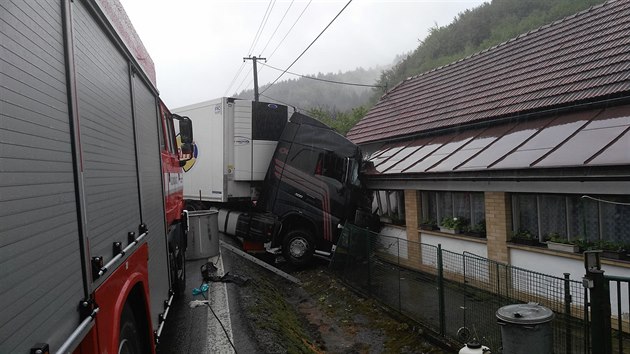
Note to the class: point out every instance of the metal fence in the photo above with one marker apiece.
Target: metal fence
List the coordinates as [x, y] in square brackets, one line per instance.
[453, 293]
[620, 320]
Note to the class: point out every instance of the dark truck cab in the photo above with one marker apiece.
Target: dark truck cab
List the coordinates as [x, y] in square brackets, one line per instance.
[311, 189]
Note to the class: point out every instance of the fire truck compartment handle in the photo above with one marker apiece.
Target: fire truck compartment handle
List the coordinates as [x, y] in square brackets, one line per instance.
[77, 332]
[118, 256]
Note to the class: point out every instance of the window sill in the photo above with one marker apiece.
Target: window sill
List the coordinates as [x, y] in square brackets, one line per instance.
[575, 256]
[455, 236]
[395, 226]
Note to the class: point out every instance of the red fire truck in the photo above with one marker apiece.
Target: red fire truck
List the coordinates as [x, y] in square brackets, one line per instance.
[92, 219]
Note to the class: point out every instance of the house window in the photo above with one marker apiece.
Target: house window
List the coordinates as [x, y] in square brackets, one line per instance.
[465, 205]
[573, 217]
[390, 206]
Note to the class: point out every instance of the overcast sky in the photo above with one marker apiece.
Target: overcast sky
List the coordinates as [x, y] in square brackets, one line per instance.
[198, 45]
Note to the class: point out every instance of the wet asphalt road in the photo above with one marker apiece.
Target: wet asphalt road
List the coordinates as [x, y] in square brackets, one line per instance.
[196, 329]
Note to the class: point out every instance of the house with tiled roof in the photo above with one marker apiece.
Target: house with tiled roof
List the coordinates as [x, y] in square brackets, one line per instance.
[524, 142]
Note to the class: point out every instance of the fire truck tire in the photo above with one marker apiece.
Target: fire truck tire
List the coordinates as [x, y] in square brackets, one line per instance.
[298, 247]
[178, 271]
[129, 340]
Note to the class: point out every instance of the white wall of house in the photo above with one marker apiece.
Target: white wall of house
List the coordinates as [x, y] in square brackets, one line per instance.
[390, 245]
[455, 245]
[556, 266]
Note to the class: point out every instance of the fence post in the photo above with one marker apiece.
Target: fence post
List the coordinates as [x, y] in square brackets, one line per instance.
[497, 271]
[567, 312]
[594, 280]
[440, 282]
[399, 293]
[369, 275]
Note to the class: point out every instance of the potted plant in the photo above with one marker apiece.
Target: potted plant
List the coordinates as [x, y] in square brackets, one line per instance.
[477, 230]
[524, 237]
[613, 250]
[560, 243]
[429, 224]
[452, 225]
[584, 244]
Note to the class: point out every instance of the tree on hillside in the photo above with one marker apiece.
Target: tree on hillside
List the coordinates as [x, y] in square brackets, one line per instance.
[475, 30]
[341, 122]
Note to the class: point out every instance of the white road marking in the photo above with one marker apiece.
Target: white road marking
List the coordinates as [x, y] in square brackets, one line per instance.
[218, 298]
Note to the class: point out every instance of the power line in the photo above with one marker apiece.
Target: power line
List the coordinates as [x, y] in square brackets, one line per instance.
[245, 78]
[290, 29]
[254, 42]
[277, 46]
[309, 46]
[324, 80]
[261, 26]
[238, 72]
[278, 26]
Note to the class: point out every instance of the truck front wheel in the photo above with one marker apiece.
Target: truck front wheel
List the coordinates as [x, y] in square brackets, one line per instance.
[298, 247]
[129, 341]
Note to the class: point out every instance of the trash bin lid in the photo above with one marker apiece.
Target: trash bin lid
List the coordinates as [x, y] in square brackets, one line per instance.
[531, 313]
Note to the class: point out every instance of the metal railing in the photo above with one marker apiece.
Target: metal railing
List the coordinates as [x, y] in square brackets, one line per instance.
[620, 334]
[451, 293]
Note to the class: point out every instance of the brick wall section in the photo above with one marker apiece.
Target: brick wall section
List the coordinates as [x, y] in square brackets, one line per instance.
[412, 212]
[498, 225]
[412, 217]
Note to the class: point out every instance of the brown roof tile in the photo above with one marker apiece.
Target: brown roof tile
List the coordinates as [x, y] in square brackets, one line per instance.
[580, 58]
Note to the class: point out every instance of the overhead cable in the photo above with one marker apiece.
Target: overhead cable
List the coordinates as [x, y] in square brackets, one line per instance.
[309, 46]
[324, 80]
[290, 29]
[280, 43]
[261, 27]
[245, 78]
[234, 79]
[278, 26]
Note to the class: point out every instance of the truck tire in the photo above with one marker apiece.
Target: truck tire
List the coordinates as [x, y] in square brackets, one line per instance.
[178, 271]
[298, 247]
[129, 339]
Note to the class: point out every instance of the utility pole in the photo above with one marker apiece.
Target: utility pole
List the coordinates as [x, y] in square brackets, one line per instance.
[254, 59]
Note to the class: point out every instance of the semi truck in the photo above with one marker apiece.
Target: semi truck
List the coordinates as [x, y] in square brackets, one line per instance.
[92, 219]
[283, 182]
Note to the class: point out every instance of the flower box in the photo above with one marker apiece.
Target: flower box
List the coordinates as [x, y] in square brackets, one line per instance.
[525, 241]
[475, 234]
[620, 255]
[563, 247]
[428, 227]
[449, 231]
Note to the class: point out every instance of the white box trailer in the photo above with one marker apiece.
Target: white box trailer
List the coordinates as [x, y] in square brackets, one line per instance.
[234, 142]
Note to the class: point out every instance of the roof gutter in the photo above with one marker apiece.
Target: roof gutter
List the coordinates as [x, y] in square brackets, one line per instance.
[575, 174]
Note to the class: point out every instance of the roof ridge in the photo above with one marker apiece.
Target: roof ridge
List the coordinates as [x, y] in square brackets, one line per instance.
[554, 65]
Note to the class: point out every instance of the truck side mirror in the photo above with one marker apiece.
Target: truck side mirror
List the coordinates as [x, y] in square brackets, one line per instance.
[185, 130]
[187, 148]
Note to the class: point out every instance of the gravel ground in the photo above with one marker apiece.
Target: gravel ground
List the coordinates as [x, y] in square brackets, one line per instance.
[321, 316]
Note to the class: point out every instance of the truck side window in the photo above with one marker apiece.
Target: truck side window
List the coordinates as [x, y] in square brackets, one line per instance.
[330, 165]
[161, 135]
[170, 132]
[319, 163]
[304, 159]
